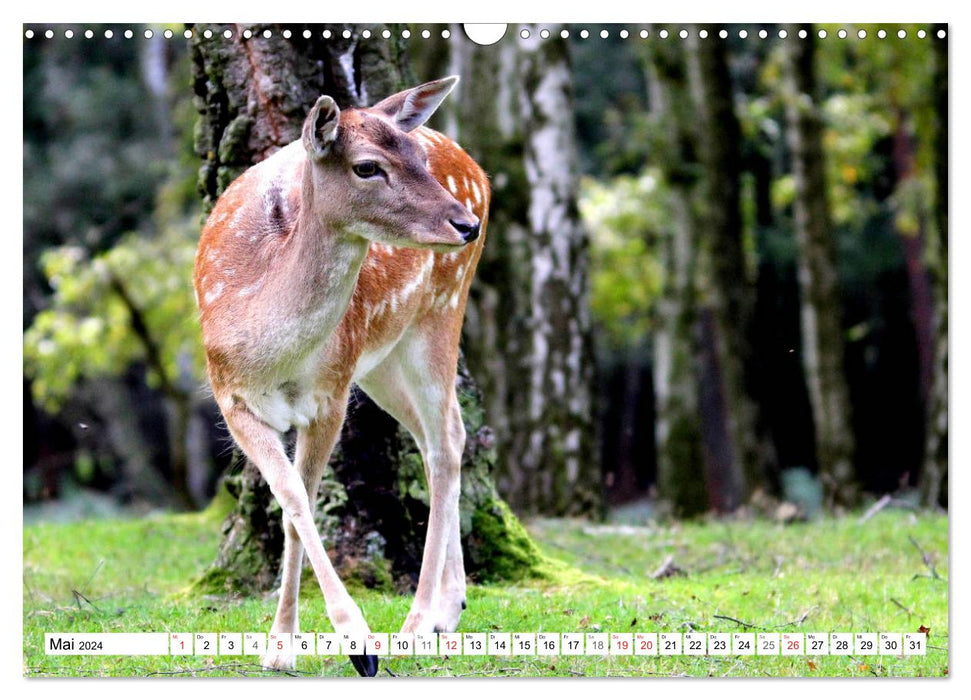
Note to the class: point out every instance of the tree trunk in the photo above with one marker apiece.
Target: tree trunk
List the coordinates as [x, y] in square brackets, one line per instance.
[934, 477]
[529, 326]
[681, 466]
[253, 95]
[821, 312]
[728, 286]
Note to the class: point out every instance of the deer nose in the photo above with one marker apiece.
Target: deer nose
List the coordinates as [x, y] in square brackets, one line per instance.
[468, 231]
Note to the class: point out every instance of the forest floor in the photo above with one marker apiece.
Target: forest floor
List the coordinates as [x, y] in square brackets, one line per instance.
[887, 574]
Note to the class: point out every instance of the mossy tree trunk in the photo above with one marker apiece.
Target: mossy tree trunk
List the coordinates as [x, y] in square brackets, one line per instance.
[252, 94]
[933, 482]
[528, 319]
[727, 282]
[819, 289]
[681, 465]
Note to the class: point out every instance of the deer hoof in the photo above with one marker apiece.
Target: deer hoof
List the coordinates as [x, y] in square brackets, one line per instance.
[365, 664]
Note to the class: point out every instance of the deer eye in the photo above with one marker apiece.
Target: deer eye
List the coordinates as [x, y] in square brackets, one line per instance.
[366, 169]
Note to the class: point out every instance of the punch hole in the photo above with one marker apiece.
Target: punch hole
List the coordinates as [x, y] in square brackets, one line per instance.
[584, 34]
[149, 34]
[703, 34]
[742, 34]
[783, 33]
[405, 33]
[723, 34]
[425, 34]
[941, 33]
[129, 33]
[346, 34]
[822, 33]
[109, 33]
[841, 33]
[683, 34]
[247, 34]
[921, 34]
[663, 33]
[803, 33]
[623, 34]
[763, 34]
[524, 34]
[306, 33]
[446, 34]
[644, 34]
[287, 33]
[861, 34]
[485, 34]
[68, 34]
[29, 34]
[49, 34]
[565, 34]
[386, 34]
[902, 34]
[168, 34]
[882, 34]
[267, 33]
[544, 33]
[604, 33]
[366, 34]
[326, 34]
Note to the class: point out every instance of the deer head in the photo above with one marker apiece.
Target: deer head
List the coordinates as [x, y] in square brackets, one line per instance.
[369, 176]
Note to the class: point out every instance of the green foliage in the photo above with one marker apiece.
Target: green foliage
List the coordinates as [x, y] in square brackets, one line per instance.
[90, 330]
[623, 216]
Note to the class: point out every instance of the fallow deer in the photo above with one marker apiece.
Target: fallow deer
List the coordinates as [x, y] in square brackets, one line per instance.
[346, 257]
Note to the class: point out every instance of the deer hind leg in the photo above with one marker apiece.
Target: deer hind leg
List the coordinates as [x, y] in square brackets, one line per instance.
[425, 403]
[314, 446]
[263, 446]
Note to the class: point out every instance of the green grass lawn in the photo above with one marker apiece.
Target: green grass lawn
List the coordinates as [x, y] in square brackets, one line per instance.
[728, 576]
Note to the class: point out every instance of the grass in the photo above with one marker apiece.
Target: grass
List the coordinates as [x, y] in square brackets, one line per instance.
[828, 576]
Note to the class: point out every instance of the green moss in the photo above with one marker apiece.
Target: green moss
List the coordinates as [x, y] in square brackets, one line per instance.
[500, 549]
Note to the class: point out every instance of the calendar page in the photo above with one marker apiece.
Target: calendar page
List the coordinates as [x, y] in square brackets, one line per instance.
[544, 350]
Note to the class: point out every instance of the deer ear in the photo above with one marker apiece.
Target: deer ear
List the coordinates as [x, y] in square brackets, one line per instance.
[320, 128]
[412, 108]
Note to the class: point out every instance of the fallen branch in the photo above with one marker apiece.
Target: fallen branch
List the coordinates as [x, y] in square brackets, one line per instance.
[875, 508]
[901, 606]
[668, 569]
[928, 562]
[740, 622]
[798, 621]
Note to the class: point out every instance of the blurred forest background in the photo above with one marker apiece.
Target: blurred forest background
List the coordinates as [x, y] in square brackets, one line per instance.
[715, 275]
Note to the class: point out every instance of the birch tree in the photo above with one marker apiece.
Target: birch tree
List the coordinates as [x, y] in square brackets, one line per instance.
[529, 325]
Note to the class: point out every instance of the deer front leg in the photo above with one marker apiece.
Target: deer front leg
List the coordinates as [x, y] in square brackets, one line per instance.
[440, 597]
[314, 446]
[263, 446]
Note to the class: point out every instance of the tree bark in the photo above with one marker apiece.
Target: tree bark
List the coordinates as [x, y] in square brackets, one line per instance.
[933, 483]
[253, 95]
[681, 464]
[820, 304]
[727, 284]
[529, 325]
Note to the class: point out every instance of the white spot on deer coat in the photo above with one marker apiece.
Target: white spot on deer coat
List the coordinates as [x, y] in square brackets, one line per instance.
[214, 293]
[452, 187]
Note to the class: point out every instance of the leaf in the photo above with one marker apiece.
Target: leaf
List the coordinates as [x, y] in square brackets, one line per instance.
[925, 630]
[811, 664]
